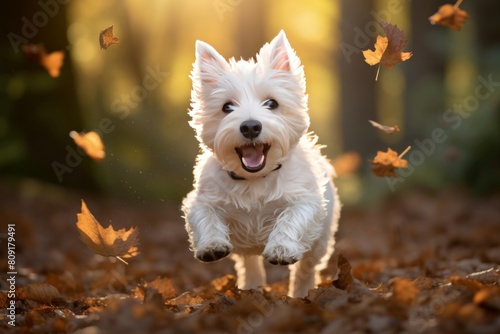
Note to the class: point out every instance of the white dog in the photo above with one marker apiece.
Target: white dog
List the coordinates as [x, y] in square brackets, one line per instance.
[262, 187]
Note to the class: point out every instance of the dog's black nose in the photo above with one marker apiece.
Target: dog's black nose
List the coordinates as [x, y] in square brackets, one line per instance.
[251, 129]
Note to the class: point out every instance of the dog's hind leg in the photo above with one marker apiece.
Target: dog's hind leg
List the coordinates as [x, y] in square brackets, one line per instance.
[303, 275]
[250, 271]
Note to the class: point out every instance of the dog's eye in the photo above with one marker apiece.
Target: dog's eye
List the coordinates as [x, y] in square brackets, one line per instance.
[227, 107]
[270, 104]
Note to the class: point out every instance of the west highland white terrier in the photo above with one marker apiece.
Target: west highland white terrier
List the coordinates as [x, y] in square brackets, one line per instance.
[262, 188]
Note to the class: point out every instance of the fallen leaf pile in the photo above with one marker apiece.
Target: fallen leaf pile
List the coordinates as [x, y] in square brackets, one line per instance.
[420, 263]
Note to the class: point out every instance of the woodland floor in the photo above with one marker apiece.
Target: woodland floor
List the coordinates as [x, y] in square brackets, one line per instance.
[422, 262]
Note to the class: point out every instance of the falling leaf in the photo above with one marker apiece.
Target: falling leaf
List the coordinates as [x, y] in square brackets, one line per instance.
[387, 129]
[91, 143]
[52, 62]
[345, 281]
[388, 50]
[106, 241]
[346, 163]
[385, 163]
[107, 38]
[450, 16]
[41, 292]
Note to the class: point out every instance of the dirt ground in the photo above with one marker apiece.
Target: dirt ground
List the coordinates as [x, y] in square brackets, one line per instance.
[422, 262]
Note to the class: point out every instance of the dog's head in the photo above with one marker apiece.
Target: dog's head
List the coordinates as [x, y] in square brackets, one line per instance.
[250, 114]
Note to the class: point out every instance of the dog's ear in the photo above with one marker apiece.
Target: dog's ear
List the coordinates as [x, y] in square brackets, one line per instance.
[279, 55]
[209, 64]
[280, 52]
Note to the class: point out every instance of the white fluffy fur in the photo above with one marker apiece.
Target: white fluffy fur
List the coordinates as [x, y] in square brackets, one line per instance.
[280, 215]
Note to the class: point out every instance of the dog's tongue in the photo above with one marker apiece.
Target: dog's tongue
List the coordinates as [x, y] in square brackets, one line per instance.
[253, 156]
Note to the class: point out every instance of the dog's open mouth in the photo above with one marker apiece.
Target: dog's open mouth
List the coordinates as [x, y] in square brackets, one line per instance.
[253, 156]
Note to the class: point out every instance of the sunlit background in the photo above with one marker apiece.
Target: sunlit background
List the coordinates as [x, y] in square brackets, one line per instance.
[140, 89]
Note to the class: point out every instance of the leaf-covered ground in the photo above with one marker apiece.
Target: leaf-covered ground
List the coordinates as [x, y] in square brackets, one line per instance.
[422, 262]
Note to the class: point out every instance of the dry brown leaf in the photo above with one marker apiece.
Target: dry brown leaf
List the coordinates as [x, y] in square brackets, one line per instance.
[488, 296]
[367, 272]
[346, 163]
[450, 16]
[388, 50]
[164, 286]
[52, 62]
[41, 292]
[186, 303]
[404, 291]
[153, 298]
[344, 281]
[470, 284]
[91, 143]
[385, 163]
[387, 129]
[224, 283]
[107, 38]
[424, 283]
[106, 241]
[64, 282]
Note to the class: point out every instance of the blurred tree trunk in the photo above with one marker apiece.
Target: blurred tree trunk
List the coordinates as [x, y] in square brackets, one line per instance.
[487, 29]
[45, 110]
[357, 79]
[426, 65]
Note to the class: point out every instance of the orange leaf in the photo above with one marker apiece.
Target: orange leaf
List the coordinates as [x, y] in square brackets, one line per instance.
[164, 286]
[488, 296]
[91, 143]
[224, 283]
[450, 16]
[52, 62]
[404, 291]
[388, 49]
[385, 163]
[106, 241]
[107, 38]
[387, 129]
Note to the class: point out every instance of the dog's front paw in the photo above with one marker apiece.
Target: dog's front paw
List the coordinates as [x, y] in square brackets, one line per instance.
[213, 253]
[280, 255]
